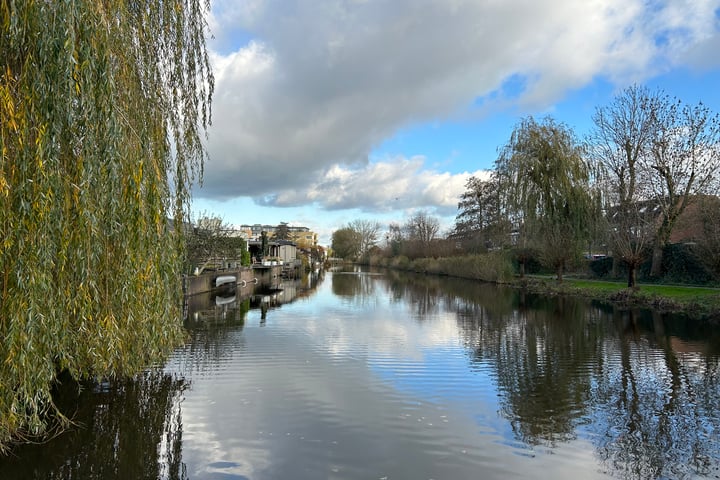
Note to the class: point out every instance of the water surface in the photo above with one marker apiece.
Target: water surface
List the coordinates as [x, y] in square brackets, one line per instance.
[381, 375]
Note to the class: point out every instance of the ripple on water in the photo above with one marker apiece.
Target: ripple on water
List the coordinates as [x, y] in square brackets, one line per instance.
[374, 389]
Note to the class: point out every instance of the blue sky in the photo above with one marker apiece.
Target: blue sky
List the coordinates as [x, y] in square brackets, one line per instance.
[327, 111]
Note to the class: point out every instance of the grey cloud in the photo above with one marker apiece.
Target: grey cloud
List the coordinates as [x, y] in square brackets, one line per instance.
[394, 184]
[704, 55]
[327, 81]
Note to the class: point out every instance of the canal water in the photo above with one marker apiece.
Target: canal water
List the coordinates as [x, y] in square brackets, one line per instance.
[383, 375]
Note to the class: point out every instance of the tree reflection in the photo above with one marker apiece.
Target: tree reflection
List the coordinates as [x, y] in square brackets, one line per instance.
[212, 327]
[427, 293]
[657, 410]
[133, 429]
[567, 369]
[543, 353]
[129, 429]
[354, 286]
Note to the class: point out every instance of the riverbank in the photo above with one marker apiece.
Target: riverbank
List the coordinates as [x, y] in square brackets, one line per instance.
[699, 302]
[242, 277]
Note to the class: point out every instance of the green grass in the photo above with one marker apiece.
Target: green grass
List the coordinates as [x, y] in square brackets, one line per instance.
[700, 301]
[670, 291]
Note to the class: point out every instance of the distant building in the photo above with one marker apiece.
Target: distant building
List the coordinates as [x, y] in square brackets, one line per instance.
[689, 225]
[284, 250]
[302, 236]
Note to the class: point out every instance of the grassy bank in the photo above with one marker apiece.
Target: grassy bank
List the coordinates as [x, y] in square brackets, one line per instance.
[700, 302]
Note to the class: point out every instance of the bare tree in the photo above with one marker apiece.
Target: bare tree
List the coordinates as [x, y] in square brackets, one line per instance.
[367, 231]
[632, 230]
[656, 156]
[621, 138]
[685, 159]
[421, 229]
[210, 240]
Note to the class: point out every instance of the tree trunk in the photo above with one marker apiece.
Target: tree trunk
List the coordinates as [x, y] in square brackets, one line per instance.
[522, 268]
[560, 274]
[657, 259]
[631, 276]
[615, 266]
[662, 239]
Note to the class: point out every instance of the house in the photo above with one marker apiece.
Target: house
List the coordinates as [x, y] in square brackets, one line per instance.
[282, 250]
[302, 236]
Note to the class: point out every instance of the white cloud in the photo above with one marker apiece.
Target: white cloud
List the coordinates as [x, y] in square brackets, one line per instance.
[315, 86]
[394, 184]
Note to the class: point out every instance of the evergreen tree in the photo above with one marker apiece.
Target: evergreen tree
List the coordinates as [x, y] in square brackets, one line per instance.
[282, 232]
[480, 224]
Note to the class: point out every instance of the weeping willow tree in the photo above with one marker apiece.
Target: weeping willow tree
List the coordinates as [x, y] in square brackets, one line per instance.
[544, 181]
[103, 104]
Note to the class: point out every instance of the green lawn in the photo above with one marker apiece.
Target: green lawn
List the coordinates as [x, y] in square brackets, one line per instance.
[703, 301]
[675, 292]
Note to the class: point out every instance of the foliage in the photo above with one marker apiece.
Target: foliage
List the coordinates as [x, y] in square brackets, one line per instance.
[356, 240]
[527, 259]
[264, 245]
[488, 267]
[480, 224]
[394, 238]
[245, 259]
[601, 268]
[401, 262]
[427, 265]
[346, 243]
[543, 180]
[313, 256]
[102, 105]
[282, 232]
[683, 264]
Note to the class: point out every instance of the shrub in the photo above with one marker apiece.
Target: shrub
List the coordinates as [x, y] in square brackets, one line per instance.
[682, 264]
[401, 262]
[601, 268]
[490, 267]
